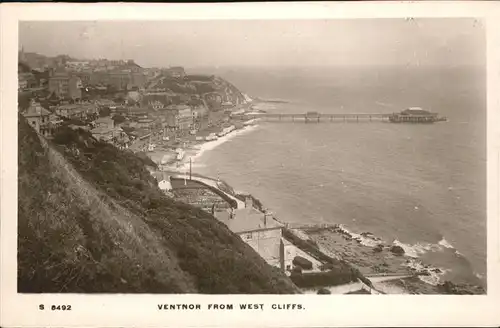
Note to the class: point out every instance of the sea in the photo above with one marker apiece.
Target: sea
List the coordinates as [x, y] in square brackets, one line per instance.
[416, 185]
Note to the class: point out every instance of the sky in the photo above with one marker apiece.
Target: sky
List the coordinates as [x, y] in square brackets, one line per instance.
[335, 42]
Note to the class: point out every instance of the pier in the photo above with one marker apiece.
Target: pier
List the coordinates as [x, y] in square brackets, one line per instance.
[316, 117]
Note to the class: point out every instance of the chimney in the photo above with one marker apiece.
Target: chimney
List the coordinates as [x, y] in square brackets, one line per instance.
[267, 216]
[248, 202]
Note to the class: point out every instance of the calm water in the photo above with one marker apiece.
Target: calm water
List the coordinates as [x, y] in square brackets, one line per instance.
[419, 184]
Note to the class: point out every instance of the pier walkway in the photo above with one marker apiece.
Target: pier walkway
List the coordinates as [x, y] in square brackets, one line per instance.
[315, 117]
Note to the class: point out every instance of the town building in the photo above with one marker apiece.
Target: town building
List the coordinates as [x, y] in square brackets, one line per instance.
[261, 231]
[106, 103]
[105, 130]
[138, 80]
[163, 180]
[65, 85]
[27, 81]
[76, 111]
[178, 118]
[104, 122]
[145, 123]
[120, 80]
[156, 105]
[77, 65]
[99, 78]
[176, 72]
[39, 118]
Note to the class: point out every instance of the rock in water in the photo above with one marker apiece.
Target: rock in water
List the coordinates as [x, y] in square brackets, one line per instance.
[398, 250]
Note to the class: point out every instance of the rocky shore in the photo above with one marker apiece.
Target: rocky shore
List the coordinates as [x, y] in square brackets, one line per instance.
[374, 257]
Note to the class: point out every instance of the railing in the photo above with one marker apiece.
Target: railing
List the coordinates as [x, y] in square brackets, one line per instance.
[316, 117]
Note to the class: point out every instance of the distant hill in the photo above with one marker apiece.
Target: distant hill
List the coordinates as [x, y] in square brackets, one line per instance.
[212, 90]
[92, 220]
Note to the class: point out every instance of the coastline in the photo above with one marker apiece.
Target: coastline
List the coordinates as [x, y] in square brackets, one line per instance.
[371, 255]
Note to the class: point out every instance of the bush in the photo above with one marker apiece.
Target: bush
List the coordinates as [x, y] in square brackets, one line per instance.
[302, 262]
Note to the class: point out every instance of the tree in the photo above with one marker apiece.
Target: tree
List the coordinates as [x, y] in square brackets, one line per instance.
[104, 112]
[24, 100]
[118, 119]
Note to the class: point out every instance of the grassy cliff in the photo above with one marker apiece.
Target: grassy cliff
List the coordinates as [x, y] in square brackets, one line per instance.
[91, 219]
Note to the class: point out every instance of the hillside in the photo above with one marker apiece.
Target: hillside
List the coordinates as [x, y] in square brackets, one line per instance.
[92, 220]
[213, 90]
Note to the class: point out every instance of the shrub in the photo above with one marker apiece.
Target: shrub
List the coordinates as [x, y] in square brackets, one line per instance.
[324, 291]
[302, 262]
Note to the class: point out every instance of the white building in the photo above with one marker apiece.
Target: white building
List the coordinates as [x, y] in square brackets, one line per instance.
[163, 181]
[262, 232]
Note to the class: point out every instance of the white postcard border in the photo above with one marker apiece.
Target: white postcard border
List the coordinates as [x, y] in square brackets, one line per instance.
[338, 310]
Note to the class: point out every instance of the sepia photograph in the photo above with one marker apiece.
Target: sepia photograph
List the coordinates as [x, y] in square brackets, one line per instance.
[255, 157]
[194, 165]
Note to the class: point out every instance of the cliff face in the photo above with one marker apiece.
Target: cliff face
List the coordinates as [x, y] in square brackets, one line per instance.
[91, 219]
[212, 91]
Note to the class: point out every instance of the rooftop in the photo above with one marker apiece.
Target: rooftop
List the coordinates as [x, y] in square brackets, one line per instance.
[416, 111]
[161, 175]
[248, 219]
[104, 120]
[36, 110]
[104, 130]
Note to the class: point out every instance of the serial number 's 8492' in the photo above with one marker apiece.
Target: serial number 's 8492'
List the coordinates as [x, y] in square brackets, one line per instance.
[61, 307]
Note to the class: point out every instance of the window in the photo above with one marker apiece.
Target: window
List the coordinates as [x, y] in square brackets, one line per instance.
[248, 236]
